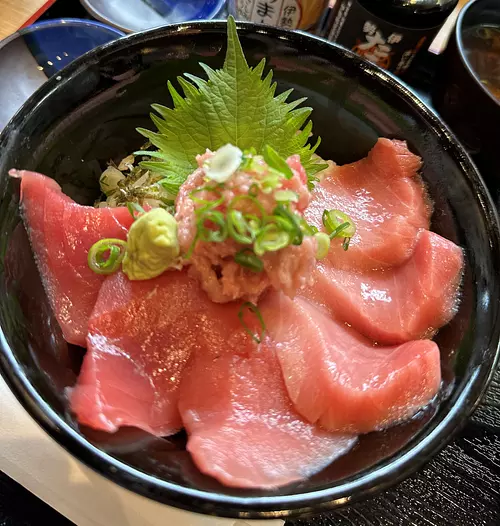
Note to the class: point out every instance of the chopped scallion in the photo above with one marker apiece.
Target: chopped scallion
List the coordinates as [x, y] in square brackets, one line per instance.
[247, 161]
[338, 224]
[270, 239]
[287, 196]
[191, 248]
[206, 204]
[106, 255]
[255, 311]
[242, 229]
[246, 258]
[209, 234]
[307, 229]
[247, 204]
[323, 244]
[253, 191]
[271, 181]
[295, 231]
[275, 161]
[339, 230]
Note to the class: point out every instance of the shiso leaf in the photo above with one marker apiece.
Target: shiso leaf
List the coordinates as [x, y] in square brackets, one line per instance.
[236, 105]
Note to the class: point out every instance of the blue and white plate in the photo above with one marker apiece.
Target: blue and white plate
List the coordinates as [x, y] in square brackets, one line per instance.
[33, 54]
[137, 15]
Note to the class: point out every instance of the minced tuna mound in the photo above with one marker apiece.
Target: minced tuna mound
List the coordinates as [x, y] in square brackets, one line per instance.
[288, 269]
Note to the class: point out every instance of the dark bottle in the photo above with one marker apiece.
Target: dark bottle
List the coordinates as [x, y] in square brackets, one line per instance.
[387, 32]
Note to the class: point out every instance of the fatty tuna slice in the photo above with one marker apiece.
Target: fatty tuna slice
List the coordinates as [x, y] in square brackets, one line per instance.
[339, 379]
[61, 233]
[243, 429]
[141, 334]
[385, 198]
[399, 304]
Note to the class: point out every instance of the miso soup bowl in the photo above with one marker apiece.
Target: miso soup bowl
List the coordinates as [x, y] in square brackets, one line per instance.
[463, 100]
[77, 121]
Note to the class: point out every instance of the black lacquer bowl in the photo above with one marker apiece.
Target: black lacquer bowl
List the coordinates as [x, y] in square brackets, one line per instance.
[72, 126]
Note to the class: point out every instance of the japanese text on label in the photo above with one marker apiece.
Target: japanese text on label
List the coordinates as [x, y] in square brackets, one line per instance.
[284, 13]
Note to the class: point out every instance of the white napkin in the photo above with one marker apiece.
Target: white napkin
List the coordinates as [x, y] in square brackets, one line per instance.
[34, 460]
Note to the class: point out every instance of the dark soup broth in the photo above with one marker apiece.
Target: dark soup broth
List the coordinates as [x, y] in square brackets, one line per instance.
[482, 49]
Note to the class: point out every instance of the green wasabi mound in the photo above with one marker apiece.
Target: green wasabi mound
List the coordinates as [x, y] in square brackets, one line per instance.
[152, 245]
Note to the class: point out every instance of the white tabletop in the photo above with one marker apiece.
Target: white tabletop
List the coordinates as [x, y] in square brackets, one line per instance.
[29, 456]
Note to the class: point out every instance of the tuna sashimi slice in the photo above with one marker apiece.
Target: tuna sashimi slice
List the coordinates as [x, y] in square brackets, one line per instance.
[242, 427]
[400, 304]
[384, 197]
[141, 334]
[61, 232]
[340, 379]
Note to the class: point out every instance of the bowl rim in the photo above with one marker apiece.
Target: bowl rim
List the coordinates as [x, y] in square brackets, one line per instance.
[380, 476]
[462, 54]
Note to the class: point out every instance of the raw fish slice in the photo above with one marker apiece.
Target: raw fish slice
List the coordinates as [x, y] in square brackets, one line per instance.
[141, 334]
[61, 233]
[337, 378]
[242, 427]
[400, 304]
[384, 197]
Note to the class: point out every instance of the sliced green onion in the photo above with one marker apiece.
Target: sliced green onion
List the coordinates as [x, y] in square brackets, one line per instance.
[339, 230]
[253, 191]
[251, 162]
[274, 160]
[253, 222]
[287, 196]
[246, 258]
[250, 151]
[254, 310]
[253, 201]
[246, 164]
[270, 239]
[190, 251]
[271, 181]
[224, 163]
[283, 222]
[307, 229]
[247, 161]
[207, 204]
[240, 228]
[209, 235]
[337, 223]
[323, 244]
[135, 210]
[345, 244]
[295, 231]
[99, 262]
